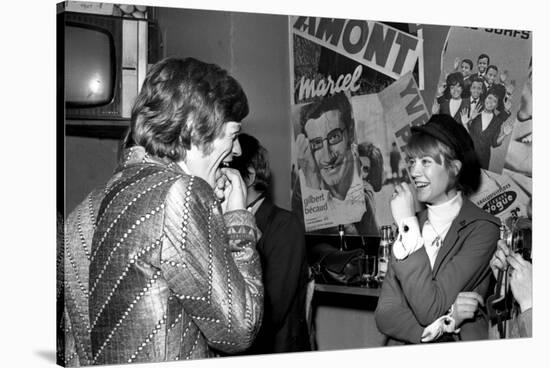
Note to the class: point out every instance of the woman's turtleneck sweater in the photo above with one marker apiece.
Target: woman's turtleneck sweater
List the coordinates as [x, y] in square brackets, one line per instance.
[440, 218]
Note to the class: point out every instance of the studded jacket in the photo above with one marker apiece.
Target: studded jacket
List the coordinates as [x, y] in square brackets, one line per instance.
[153, 271]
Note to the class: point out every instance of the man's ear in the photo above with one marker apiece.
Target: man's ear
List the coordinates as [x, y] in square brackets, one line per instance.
[251, 176]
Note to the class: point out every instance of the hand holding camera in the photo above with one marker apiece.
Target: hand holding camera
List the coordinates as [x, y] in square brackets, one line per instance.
[521, 280]
[519, 270]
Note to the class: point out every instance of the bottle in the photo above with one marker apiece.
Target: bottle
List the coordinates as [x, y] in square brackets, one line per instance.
[343, 245]
[383, 253]
[392, 236]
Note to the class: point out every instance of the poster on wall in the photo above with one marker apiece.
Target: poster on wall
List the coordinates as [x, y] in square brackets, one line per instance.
[487, 72]
[501, 196]
[483, 72]
[341, 152]
[480, 76]
[384, 121]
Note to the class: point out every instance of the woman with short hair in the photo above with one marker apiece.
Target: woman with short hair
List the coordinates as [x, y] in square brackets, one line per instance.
[444, 250]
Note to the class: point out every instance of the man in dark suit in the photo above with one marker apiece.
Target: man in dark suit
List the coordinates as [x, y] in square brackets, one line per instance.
[491, 83]
[473, 103]
[283, 256]
[482, 64]
[466, 67]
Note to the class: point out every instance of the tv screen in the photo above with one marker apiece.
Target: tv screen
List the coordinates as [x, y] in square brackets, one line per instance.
[89, 66]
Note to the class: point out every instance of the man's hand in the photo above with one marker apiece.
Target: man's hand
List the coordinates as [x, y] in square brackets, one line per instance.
[441, 89]
[475, 112]
[521, 280]
[231, 189]
[306, 162]
[464, 117]
[456, 64]
[465, 307]
[498, 261]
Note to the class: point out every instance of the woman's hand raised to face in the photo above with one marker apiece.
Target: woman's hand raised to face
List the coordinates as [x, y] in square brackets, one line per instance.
[402, 203]
[234, 190]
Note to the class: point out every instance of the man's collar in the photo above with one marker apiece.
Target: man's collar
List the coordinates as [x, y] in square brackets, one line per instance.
[137, 155]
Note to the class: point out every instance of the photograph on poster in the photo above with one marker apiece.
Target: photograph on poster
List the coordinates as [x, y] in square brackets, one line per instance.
[378, 193]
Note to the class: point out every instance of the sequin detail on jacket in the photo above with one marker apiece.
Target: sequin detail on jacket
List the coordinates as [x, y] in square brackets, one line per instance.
[170, 277]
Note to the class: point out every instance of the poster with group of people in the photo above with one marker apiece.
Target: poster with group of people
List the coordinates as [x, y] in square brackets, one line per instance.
[358, 86]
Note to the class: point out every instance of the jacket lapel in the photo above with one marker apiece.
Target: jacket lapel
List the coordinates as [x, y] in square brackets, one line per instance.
[262, 215]
[448, 245]
[453, 235]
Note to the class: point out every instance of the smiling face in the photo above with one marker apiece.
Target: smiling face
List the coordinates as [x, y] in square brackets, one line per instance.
[227, 145]
[476, 89]
[431, 179]
[330, 146]
[490, 102]
[456, 91]
[491, 76]
[206, 164]
[465, 69]
[482, 65]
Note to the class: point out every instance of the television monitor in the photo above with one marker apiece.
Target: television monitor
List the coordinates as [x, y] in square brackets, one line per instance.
[104, 64]
[89, 81]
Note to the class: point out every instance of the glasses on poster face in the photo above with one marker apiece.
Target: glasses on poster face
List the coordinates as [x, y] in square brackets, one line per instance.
[335, 136]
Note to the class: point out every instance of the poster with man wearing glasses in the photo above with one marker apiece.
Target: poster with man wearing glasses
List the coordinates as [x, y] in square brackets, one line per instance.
[341, 149]
[331, 187]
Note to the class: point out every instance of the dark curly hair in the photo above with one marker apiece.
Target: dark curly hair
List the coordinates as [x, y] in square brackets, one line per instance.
[469, 62]
[376, 172]
[184, 102]
[455, 78]
[254, 155]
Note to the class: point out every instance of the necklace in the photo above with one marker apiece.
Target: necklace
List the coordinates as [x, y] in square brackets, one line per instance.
[437, 241]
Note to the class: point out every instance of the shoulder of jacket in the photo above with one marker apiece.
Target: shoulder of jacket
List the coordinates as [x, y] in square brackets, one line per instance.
[285, 215]
[194, 186]
[473, 214]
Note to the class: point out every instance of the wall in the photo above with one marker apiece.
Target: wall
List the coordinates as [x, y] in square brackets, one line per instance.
[245, 44]
[89, 162]
[261, 63]
[254, 49]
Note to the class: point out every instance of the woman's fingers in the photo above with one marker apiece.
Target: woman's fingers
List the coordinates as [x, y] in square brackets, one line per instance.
[406, 188]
